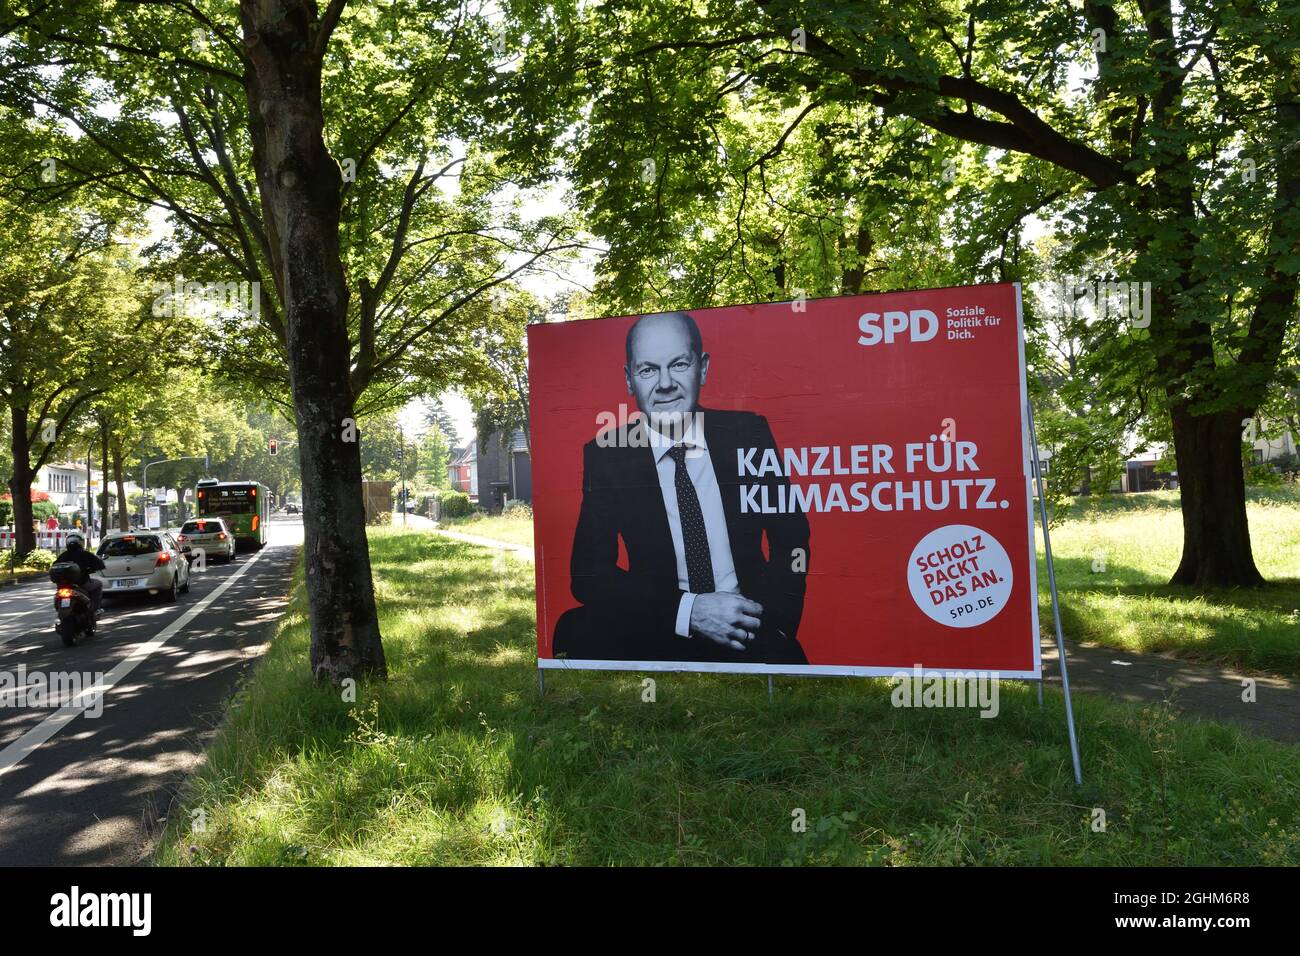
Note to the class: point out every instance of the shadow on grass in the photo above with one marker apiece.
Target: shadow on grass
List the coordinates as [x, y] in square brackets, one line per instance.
[1252, 628]
[1286, 495]
[1076, 574]
[457, 760]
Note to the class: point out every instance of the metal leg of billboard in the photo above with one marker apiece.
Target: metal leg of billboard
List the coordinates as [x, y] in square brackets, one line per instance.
[1056, 604]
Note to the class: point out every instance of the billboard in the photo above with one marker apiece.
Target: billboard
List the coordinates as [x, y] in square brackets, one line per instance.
[830, 486]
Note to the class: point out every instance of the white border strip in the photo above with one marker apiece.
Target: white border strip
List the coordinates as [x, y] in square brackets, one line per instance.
[27, 744]
[788, 670]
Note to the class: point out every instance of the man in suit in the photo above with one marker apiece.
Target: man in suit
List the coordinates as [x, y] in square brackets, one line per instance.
[698, 586]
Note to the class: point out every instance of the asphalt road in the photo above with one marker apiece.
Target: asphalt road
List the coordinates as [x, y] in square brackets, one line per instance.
[88, 782]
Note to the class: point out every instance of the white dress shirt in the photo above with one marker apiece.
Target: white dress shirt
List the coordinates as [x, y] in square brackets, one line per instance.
[699, 468]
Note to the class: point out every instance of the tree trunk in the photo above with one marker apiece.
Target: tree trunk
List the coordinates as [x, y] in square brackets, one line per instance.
[123, 506]
[20, 484]
[1216, 536]
[299, 184]
[851, 278]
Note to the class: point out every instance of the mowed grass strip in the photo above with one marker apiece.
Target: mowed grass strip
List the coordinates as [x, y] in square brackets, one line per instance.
[1114, 556]
[510, 528]
[455, 760]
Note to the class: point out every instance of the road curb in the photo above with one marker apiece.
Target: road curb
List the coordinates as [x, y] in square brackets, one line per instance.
[15, 582]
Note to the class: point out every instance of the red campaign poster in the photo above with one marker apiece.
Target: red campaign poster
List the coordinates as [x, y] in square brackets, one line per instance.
[836, 486]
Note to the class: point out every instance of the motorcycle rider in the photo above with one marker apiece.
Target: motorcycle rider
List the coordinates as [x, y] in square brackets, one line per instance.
[89, 563]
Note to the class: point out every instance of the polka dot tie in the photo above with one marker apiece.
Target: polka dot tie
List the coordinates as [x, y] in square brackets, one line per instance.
[699, 564]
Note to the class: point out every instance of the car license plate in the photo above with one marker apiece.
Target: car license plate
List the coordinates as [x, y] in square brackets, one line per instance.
[126, 582]
[65, 602]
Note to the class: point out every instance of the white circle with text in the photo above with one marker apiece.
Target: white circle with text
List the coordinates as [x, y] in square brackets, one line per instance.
[959, 576]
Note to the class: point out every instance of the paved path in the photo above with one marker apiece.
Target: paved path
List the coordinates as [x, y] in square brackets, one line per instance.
[521, 551]
[413, 522]
[1196, 689]
[421, 523]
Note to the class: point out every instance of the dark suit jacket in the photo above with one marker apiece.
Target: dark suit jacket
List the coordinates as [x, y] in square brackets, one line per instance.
[621, 497]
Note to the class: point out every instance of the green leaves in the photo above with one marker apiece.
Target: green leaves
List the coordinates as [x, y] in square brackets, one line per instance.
[155, 96]
[912, 144]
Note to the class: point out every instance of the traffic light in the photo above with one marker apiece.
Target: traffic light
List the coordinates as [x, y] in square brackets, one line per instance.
[273, 446]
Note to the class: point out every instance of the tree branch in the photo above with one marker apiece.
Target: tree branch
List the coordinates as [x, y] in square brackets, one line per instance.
[325, 28]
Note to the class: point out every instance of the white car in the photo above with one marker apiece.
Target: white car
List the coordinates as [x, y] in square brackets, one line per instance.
[138, 562]
[209, 534]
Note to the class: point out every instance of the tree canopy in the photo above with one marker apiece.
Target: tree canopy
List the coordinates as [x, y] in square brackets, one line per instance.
[773, 148]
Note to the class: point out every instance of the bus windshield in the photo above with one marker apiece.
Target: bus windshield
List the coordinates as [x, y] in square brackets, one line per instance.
[235, 501]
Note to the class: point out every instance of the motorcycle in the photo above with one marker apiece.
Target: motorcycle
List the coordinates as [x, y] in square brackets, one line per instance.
[71, 603]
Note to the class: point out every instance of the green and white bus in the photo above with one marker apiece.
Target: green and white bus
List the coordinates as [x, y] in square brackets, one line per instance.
[243, 505]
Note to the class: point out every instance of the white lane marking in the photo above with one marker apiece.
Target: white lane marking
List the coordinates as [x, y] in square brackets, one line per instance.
[17, 751]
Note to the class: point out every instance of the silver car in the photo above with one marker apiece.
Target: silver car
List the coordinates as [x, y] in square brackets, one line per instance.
[209, 534]
[143, 562]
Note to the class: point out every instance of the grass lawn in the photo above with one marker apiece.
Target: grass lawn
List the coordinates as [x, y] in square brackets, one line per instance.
[456, 760]
[1114, 556]
[1134, 542]
[509, 528]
